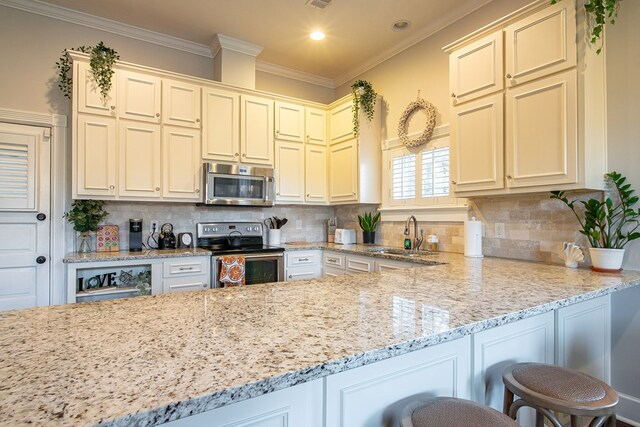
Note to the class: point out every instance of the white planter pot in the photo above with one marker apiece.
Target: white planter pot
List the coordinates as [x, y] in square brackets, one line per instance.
[606, 259]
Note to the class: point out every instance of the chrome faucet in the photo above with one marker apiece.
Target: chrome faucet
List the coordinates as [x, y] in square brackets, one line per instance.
[417, 241]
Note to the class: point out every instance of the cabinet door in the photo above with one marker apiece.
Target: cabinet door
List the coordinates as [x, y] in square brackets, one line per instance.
[477, 145]
[359, 264]
[343, 171]
[89, 97]
[289, 122]
[185, 284]
[221, 127]
[386, 265]
[367, 396]
[527, 340]
[180, 104]
[139, 159]
[316, 126]
[256, 130]
[181, 176]
[542, 146]
[316, 174]
[476, 70]
[139, 97]
[541, 44]
[341, 123]
[96, 156]
[289, 172]
[584, 337]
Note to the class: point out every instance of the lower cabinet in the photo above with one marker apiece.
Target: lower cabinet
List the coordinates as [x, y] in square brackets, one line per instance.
[300, 405]
[370, 395]
[302, 265]
[359, 264]
[185, 274]
[386, 264]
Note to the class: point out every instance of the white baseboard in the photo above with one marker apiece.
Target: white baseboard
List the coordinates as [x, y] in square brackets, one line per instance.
[629, 409]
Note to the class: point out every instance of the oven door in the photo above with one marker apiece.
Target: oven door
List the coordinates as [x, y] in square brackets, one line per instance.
[258, 268]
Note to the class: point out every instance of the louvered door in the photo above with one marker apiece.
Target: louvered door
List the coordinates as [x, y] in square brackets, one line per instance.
[17, 171]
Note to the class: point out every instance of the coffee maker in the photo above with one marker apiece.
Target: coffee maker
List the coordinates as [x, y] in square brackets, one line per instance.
[135, 235]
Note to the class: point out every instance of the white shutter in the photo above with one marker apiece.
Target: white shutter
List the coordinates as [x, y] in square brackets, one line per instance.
[435, 172]
[17, 171]
[403, 177]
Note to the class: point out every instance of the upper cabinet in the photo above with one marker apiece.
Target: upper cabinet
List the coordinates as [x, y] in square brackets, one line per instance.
[139, 96]
[289, 122]
[540, 126]
[256, 130]
[316, 126]
[88, 97]
[341, 119]
[180, 104]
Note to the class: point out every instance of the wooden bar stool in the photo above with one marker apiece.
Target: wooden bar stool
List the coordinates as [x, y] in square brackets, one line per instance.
[451, 411]
[548, 388]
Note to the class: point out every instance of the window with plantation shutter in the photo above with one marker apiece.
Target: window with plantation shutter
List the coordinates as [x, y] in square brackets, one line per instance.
[17, 172]
[435, 172]
[403, 176]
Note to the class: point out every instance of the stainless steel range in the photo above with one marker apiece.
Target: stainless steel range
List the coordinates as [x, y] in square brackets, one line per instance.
[263, 264]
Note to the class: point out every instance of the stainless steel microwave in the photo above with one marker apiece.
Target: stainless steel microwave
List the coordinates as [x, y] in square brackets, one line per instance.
[238, 185]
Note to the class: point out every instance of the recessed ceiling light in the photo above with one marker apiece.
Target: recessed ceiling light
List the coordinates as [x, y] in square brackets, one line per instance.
[317, 35]
[401, 25]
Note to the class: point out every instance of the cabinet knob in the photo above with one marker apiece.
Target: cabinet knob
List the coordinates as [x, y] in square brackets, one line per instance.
[157, 114]
[197, 120]
[157, 188]
[353, 194]
[204, 285]
[508, 76]
[454, 182]
[244, 155]
[277, 131]
[277, 194]
[237, 154]
[308, 195]
[453, 95]
[509, 177]
[197, 190]
[113, 107]
[290, 276]
[112, 187]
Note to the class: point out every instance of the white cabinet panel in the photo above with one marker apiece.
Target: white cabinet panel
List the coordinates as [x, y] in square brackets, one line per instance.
[178, 267]
[289, 172]
[89, 97]
[139, 159]
[181, 170]
[343, 171]
[316, 126]
[385, 265]
[584, 337]
[194, 283]
[541, 44]
[180, 104]
[315, 173]
[368, 396]
[289, 122]
[477, 145]
[341, 119]
[332, 259]
[476, 69]
[527, 340]
[96, 156]
[221, 127]
[542, 147]
[139, 96]
[303, 258]
[297, 406]
[256, 135]
[359, 264]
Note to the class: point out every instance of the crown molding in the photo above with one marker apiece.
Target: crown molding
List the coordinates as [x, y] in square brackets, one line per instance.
[220, 41]
[108, 25]
[267, 67]
[426, 32]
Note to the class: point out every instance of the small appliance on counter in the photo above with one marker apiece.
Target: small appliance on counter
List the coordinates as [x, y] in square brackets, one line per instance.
[135, 235]
[473, 238]
[185, 240]
[345, 236]
[167, 239]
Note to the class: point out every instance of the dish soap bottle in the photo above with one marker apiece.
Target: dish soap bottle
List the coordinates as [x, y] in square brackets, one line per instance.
[407, 243]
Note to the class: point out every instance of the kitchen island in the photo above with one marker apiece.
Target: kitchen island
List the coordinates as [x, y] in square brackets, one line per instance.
[149, 360]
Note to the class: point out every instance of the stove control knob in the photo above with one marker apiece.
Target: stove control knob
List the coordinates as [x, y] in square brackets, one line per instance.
[214, 229]
[255, 228]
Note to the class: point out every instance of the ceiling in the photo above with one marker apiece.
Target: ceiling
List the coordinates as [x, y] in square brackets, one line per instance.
[359, 32]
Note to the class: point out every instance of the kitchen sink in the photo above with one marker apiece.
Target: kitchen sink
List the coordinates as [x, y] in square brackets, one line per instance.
[397, 251]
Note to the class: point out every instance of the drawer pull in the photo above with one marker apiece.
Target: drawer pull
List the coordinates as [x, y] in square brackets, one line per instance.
[303, 259]
[185, 268]
[332, 259]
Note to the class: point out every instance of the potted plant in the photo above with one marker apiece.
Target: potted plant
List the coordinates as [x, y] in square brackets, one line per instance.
[101, 61]
[368, 224]
[608, 225]
[85, 216]
[365, 96]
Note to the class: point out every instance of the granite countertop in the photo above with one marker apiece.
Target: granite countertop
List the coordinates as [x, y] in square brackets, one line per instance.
[146, 360]
[75, 257]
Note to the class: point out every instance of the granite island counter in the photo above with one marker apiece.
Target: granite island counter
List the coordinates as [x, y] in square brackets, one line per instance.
[149, 360]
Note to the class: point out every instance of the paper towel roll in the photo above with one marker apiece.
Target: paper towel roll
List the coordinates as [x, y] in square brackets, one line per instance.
[473, 238]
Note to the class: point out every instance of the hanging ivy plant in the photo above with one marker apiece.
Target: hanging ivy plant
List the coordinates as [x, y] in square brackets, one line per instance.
[101, 61]
[599, 11]
[365, 96]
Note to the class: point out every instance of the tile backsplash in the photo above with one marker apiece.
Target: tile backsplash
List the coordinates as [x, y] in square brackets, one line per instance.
[534, 225]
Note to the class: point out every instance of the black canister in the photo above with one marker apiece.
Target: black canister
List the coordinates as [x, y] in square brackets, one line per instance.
[135, 235]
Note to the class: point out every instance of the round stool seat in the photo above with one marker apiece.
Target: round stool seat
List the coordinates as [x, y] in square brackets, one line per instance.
[560, 389]
[450, 411]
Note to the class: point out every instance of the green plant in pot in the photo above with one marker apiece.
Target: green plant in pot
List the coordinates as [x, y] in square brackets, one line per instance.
[368, 223]
[101, 61]
[85, 215]
[609, 225]
[363, 96]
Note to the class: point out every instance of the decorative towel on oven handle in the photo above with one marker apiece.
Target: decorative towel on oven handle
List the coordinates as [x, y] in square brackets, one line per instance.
[232, 271]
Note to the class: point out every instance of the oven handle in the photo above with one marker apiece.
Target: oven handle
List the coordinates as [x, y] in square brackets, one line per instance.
[278, 255]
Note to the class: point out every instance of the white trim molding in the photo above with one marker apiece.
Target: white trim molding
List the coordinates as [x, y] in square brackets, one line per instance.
[58, 125]
[220, 41]
[278, 70]
[629, 409]
[438, 132]
[436, 213]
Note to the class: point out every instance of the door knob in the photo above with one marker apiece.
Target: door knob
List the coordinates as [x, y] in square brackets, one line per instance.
[41, 259]
[41, 217]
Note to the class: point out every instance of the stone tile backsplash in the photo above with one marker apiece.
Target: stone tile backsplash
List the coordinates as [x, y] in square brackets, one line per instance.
[535, 226]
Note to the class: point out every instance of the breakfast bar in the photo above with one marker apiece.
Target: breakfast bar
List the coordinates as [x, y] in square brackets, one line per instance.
[155, 359]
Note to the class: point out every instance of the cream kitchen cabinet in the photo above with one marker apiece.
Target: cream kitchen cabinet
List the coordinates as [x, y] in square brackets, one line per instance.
[139, 154]
[181, 164]
[355, 164]
[289, 119]
[315, 126]
[387, 265]
[139, 96]
[302, 265]
[315, 174]
[89, 99]
[546, 130]
[185, 274]
[237, 128]
[341, 121]
[359, 264]
[290, 172]
[181, 104]
[94, 155]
